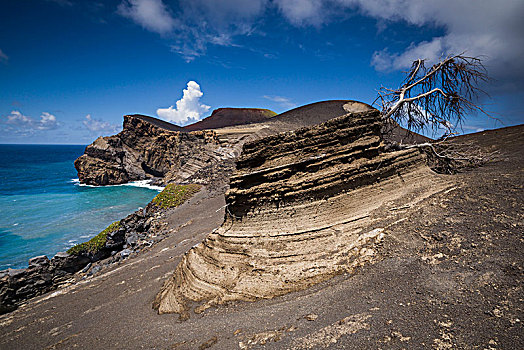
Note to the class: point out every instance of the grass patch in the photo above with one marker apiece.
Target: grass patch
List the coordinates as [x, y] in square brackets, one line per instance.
[268, 112]
[174, 195]
[96, 243]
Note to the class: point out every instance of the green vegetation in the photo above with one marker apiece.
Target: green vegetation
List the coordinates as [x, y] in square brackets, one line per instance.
[174, 195]
[268, 112]
[96, 243]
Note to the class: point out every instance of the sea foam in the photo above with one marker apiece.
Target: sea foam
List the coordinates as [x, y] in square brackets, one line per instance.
[138, 183]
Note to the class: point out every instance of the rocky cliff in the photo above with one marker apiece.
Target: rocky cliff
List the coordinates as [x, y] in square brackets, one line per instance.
[297, 213]
[149, 148]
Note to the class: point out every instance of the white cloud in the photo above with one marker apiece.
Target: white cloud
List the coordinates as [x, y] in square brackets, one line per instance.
[152, 15]
[302, 12]
[188, 108]
[472, 128]
[198, 23]
[489, 29]
[47, 121]
[17, 118]
[430, 50]
[486, 28]
[282, 101]
[3, 57]
[99, 126]
[24, 123]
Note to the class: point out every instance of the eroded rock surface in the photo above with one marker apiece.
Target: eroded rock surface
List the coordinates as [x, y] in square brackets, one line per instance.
[42, 275]
[296, 213]
[448, 273]
[148, 148]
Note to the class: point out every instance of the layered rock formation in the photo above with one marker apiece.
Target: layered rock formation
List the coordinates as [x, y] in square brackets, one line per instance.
[148, 148]
[296, 213]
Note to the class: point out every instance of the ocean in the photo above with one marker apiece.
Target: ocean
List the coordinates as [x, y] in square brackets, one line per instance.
[43, 207]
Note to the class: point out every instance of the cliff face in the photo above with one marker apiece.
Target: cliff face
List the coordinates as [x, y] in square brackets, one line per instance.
[151, 148]
[297, 213]
[147, 148]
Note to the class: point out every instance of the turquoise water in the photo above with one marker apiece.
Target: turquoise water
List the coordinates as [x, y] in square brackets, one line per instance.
[44, 210]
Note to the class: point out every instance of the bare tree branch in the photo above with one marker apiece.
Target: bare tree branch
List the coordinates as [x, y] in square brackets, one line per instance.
[440, 96]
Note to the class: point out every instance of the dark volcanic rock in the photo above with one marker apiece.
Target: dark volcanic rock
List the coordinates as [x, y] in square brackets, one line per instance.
[42, 275]
[69, 263]
[37, 261]
[223, 117]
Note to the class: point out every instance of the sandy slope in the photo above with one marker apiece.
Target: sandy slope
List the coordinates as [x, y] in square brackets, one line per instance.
[450, 275]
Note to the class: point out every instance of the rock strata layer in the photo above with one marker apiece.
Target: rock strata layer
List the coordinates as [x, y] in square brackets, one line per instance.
[296, 213]
[149, 148]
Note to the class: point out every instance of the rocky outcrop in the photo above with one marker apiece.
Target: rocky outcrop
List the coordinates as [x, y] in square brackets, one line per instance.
[42, 275]
[280, 180]
[148, 148]
[296, 213]
[223, 117]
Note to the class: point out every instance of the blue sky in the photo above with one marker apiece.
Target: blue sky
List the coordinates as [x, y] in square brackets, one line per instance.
[69, 70]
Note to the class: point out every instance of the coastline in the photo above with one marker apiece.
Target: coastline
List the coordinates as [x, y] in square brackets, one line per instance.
[138, 231]
[138, 183]
[45, 210]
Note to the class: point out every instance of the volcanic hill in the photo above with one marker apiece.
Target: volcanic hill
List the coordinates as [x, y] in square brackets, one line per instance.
[224, 117]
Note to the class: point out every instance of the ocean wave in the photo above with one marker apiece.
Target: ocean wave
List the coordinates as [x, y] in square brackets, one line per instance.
[138, 183]
[144, 184]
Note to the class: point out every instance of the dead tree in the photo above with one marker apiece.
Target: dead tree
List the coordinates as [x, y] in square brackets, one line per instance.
[437, 97]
